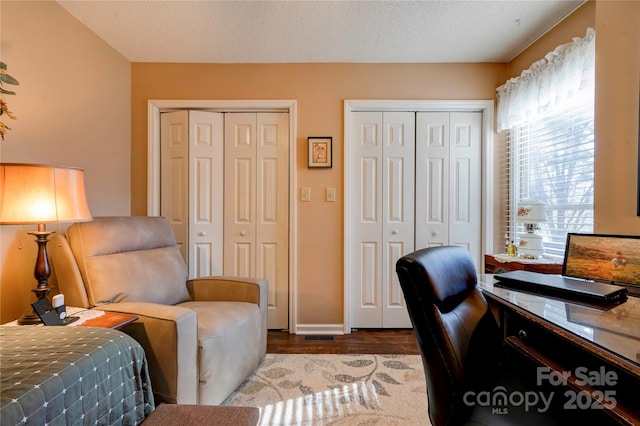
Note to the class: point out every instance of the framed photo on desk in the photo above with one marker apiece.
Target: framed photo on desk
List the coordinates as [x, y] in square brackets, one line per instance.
[613, 259]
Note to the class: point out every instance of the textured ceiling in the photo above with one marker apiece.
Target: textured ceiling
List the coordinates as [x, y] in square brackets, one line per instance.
[320, 31]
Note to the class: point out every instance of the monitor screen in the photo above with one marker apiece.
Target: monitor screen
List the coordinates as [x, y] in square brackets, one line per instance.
[599, 257]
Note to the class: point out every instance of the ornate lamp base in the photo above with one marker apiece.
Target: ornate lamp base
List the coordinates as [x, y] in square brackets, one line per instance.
[41, 273]
[30, 318]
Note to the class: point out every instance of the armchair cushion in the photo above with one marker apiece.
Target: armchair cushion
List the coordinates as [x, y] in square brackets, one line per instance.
[116, 256]
[222, 335]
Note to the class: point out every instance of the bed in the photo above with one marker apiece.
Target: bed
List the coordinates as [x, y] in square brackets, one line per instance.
[72, 376]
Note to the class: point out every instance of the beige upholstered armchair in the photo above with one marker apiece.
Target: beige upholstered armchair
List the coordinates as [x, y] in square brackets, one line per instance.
[202, 337]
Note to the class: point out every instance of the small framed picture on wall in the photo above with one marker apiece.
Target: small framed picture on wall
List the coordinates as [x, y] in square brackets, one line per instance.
[320, 154]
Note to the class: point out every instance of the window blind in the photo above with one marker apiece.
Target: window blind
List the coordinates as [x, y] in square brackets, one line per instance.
[551, 159]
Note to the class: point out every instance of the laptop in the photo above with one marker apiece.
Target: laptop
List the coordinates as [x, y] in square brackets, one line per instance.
[597, 269]
[560, 286]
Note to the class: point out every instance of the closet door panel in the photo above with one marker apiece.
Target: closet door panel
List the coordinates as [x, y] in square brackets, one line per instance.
[432, 179]
[466, 201]
[382, 209]
[365, 247]
[174, 175]
[272, 213]
[240, 194]
[191, 186]
[206, 215]
[398, 157]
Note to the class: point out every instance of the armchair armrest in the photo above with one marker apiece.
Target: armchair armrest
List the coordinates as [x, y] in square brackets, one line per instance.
[169, 336]
[229, 289]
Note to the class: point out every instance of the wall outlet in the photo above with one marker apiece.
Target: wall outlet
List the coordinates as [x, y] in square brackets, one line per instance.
[305, 193]
[331, 195]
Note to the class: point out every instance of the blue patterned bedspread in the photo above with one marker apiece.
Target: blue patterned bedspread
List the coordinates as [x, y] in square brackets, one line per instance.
[72, 376]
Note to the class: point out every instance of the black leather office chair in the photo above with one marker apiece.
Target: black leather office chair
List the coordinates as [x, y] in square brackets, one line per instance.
[461, 345]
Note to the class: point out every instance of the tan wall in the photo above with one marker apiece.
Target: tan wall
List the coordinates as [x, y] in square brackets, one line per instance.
[320, 90]
[73, 108]
[617, 95]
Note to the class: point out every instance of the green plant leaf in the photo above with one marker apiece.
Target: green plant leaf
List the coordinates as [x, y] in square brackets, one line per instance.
[6, 78]
[6, 92]
[3, 66]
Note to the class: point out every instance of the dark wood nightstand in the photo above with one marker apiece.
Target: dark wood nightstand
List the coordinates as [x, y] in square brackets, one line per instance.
[114, 320]
[496, 264]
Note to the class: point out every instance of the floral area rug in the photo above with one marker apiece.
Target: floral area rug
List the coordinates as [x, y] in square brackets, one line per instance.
[336, 390]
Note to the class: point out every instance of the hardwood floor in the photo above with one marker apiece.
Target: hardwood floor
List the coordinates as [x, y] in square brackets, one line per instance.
[369, 341]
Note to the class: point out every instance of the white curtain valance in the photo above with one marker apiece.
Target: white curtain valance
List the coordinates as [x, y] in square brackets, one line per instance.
[564, 76]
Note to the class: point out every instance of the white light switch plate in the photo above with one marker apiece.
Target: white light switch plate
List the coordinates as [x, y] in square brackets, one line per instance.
[331, 194]
[305, 193]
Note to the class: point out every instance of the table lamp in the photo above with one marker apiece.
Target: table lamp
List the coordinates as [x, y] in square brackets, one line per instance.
[41, 194]
[531, 214]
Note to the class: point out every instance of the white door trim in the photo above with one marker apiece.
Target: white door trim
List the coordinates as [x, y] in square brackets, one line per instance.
[484, 106]
[156, 106]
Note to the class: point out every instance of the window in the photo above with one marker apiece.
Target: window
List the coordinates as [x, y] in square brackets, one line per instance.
[551, 159]
[550, 143]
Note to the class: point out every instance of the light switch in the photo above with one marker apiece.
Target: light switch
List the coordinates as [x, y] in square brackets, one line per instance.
[305, 193]
[331, 194]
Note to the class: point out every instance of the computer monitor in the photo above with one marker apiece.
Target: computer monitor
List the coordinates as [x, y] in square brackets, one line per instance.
[600, 257]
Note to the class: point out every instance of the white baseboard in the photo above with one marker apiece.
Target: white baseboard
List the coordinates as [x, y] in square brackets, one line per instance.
[321, 329]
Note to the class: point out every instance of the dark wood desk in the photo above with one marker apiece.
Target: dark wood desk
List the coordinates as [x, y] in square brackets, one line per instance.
[598, 351]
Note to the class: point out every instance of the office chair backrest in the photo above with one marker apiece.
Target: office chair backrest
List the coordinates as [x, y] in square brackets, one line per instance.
[457, 334]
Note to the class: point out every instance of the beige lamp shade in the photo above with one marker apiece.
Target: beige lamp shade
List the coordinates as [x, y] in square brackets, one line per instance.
[34, 193]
